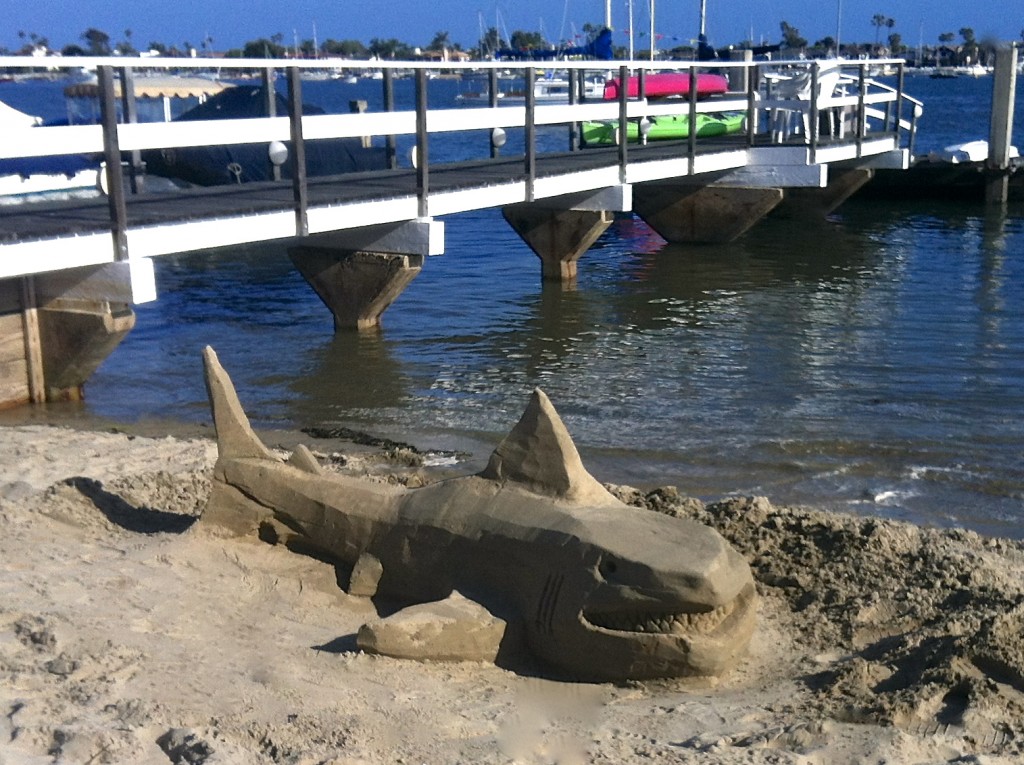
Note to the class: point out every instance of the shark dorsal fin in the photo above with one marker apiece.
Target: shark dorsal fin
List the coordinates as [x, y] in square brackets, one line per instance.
[303, 459]
[235, 437]
[539, 454]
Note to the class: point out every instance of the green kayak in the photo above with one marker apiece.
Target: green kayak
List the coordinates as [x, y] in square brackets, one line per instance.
[665, 128]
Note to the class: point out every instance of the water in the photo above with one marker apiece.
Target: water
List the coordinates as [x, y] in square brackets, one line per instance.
[871, 362]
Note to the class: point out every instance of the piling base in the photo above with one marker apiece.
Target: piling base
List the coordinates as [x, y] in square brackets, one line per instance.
[48, 351]
[76, 336]
[806, 203]
[357, 287]
[557, 237]
[688, 214]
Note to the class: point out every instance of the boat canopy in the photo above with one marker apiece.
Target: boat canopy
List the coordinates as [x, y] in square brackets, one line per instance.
[159, 99]
[154, 87]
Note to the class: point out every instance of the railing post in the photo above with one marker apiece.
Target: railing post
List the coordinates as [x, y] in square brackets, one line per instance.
[691, 142]
[492, 101]
[270, 107]
[391, 145]
[862, 112]
[623, 132]
[753, 77]
[422, 152]
[900, 74]
[530, 133]
[574, 98]
[129, 108]
[112, 157]
[813, 118]
[300, 190]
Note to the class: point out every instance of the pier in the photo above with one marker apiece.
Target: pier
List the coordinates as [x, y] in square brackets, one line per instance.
[70, 271]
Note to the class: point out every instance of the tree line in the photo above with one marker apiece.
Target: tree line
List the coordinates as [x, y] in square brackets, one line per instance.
[95, 42]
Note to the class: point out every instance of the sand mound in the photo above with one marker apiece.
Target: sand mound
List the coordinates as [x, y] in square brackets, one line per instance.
[130, 634]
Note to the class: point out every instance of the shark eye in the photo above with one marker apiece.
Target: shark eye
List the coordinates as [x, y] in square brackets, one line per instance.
[607, 567]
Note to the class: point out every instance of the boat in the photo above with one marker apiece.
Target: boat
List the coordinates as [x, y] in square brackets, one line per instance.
[242, 163]
[957, 172]
[29, 178]
[667, 85]
[664, 128]
[546, 89]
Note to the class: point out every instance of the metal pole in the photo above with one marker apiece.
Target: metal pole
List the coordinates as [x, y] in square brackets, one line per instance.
[129, 107]
[839, 26]
[391, 145]
[270, 107]
[530, 133]
[623, 133]
[422, 153]
[112, 157]
[300, 189]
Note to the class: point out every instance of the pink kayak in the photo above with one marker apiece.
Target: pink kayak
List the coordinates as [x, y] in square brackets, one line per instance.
[665, 84]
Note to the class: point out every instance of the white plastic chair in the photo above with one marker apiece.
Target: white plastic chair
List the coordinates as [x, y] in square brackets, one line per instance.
[796, 86]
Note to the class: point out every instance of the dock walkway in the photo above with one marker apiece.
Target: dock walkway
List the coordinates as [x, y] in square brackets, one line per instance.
[359, 238]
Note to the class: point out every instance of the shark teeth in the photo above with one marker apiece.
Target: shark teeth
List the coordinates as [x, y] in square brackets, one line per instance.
[662, 623]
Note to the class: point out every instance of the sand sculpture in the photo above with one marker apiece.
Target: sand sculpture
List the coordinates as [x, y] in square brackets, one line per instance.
[596, 589]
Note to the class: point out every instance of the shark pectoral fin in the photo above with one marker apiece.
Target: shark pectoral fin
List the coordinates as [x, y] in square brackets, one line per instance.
[366, 576]
[540, 454]
[453, 629]
[303, 459]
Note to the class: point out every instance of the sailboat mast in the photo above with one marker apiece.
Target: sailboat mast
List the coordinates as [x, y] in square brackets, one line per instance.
[629, 8]
[608, 13]
[703, 16]
[652, 31]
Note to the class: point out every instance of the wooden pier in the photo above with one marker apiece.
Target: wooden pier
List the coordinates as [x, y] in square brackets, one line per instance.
[69, 271]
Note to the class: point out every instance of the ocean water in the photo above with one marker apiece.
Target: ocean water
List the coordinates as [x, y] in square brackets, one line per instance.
[872, 361]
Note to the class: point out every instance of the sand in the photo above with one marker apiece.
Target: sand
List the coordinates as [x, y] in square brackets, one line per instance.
[130, 633]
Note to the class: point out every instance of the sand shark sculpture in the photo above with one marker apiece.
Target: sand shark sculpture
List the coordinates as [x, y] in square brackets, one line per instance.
[599, 590]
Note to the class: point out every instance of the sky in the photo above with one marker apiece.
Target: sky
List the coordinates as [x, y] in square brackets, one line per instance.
[230, 23]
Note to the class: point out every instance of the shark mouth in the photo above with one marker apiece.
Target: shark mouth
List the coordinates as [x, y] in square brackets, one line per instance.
[661, 623]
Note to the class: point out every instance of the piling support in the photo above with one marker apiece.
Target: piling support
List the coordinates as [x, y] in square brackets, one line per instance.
[357, 286]
[1004, 87]
[557, 236]
[76, 337]
[50, 344]
[807, 203]
[688, 214]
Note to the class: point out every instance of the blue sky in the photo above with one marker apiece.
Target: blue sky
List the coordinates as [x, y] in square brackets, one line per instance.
[232, 22]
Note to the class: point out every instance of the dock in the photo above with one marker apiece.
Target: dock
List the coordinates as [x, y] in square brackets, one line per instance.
[814, 132]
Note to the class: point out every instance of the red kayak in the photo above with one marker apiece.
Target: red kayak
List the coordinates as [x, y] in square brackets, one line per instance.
[665, 84]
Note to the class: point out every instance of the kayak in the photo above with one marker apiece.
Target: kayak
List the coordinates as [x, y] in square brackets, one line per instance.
[667, 84]
[665, 128]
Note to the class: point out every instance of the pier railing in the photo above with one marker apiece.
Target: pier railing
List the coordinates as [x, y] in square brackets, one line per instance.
[809, 103]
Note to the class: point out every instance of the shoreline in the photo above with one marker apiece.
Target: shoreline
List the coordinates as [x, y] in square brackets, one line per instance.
[128, 632]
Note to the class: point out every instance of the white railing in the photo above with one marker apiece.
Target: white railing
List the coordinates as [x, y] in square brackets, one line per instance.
[767, 92]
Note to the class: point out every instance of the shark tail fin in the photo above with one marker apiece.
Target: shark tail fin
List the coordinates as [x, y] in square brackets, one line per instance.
[235, 436]
[540, 454]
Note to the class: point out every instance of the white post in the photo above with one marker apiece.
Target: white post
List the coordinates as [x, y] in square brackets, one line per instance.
[652, 31]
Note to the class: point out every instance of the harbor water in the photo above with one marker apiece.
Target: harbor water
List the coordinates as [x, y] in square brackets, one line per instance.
[871, 362]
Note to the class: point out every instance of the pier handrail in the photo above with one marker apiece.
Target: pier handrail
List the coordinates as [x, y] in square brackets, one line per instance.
[870, 108]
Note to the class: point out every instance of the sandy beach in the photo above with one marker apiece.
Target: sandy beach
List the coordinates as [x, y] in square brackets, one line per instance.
[131, 633]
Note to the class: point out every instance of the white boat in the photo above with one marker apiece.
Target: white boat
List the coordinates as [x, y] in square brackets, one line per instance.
[42, 177]
[545, 89]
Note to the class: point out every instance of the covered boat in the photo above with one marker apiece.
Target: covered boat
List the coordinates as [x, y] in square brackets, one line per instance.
[241, 163]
